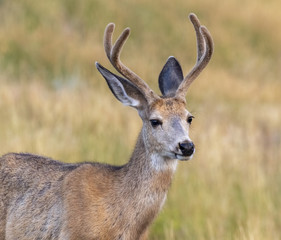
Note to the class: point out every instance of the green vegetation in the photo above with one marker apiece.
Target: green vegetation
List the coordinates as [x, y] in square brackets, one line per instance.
[53, 102]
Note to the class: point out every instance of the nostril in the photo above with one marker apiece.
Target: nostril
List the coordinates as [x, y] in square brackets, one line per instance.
[183, 145]
[187, 148]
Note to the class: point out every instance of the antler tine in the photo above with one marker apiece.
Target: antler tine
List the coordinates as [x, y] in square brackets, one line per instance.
[113, 54]
[200, 40]
[108, 39]
[205, 50]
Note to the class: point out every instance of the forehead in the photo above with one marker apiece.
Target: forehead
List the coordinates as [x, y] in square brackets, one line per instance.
[169, 106]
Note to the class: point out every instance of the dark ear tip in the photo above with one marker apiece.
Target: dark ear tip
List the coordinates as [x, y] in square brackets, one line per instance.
[172, 61]
[99, 67]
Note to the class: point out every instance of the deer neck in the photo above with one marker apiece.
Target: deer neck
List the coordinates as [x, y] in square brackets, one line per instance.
[149, 167]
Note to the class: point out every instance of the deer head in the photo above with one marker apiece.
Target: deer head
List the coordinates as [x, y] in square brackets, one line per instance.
[166, 120]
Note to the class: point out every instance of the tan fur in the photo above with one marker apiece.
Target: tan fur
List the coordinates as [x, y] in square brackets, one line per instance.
[80, 201]
[41, 198]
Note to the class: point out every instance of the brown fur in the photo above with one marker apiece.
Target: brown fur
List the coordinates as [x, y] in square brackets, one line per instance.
[45, 199]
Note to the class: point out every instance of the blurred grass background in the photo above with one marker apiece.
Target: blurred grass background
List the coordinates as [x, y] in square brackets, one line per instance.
[53, 102]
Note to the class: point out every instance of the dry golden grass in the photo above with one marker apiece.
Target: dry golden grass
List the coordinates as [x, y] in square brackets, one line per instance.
[54, 103]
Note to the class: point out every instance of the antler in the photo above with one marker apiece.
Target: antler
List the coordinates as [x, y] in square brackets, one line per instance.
[205, 50]
[113, 54]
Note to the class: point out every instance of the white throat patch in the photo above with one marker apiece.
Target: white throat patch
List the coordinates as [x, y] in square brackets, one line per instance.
[158, 163]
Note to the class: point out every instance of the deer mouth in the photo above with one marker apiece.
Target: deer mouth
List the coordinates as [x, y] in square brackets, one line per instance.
[182, 157]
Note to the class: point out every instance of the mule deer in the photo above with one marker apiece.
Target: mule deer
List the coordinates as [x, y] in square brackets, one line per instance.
[45, 199]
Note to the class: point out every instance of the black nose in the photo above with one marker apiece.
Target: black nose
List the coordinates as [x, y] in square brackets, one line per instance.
[187, 148]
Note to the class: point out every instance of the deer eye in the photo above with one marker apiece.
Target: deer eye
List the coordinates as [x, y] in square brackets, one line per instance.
[155, 122]
[189, 119]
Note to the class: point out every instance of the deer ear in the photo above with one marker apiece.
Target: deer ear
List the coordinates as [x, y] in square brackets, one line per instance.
[122, 89]
[170, 77]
